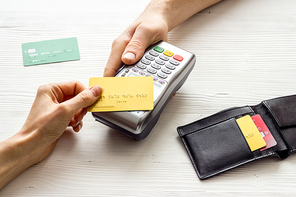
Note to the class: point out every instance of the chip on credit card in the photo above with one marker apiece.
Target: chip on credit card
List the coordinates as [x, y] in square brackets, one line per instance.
[264, 131]
[50, 51]
[251, 133]
[123, 94]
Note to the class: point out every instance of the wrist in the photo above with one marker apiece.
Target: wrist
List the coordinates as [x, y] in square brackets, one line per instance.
[14, 158]
[21, 151]
[33, 145]
[159, 11]
[174, 12]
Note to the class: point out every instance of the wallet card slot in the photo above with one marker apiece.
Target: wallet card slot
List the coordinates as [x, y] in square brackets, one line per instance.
[282, 111]
[217, 148]
[214, 119]
[280, 148]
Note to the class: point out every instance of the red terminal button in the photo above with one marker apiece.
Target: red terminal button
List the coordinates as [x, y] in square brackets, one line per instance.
[178, 58]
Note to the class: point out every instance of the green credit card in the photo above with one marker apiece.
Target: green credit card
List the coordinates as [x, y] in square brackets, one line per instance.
[50, 51]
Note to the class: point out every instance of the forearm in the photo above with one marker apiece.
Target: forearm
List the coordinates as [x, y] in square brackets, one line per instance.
[14, 158]
[175, 12]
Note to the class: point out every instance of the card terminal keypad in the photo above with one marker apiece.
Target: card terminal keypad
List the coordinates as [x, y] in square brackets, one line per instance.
[159, 62]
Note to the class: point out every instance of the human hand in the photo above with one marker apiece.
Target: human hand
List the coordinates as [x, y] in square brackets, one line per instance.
[56, 107]
[159, 17]
[130, 46]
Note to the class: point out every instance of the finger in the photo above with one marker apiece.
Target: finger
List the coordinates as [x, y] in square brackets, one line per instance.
[118, 47]
[66, 90]
[78, 127]
[174, 95]
[78, 117]
[114, 61]
[135, 49]
[84, 99]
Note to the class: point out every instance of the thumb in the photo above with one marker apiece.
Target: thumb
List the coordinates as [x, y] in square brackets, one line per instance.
[85, 98]
[136, 46]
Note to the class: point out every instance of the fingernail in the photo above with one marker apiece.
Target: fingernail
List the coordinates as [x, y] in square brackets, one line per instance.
[77, 124]
[130, 56]
[96, 90]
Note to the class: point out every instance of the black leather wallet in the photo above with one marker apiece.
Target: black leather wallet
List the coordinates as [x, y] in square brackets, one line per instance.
[216, 144]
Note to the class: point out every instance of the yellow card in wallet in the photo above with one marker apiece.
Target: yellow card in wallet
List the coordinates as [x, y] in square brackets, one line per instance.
[251, 133]
[123, 94]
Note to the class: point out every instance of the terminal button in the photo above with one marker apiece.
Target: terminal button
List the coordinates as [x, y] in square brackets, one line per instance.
[144, 61]
[174, 62]
[166, 71]
[135, 70]
[178, 58]
[156, 66]
[168, 53]
[158, 49]
[169, 66]
[162, 75]
[142, 73]
[151, 70]
[139, 65]
[163, 57]
[155, 54]
[149, 57]
[160, 62]
[161, 82]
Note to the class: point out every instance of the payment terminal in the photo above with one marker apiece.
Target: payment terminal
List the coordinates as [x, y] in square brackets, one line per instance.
[169, 66]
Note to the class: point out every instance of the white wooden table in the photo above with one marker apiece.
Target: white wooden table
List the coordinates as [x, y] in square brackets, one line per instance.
[246, 52]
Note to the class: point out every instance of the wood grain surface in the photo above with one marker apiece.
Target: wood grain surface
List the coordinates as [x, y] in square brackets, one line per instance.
[245, 53]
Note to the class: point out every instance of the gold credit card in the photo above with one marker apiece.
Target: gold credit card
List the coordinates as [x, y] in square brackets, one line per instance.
[123, 94]
[250, 132]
